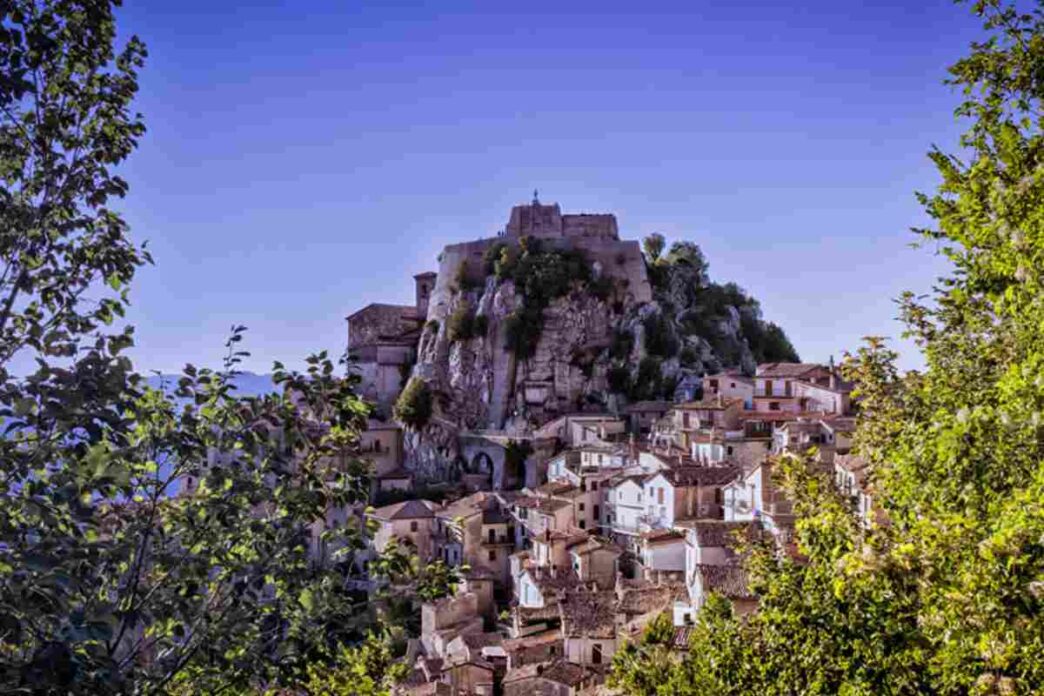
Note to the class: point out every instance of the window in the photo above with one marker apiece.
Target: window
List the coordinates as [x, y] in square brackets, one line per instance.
[685, 420]
[492, 536]
[597, 511]
[768, 387]
[583, 524]
[773, 405]
[596, 654]
[492, 554]
[551, 650]
[659, 495]
[728, 450]
[714, 384]
[413, 526]
[580, 507]
[376, 445]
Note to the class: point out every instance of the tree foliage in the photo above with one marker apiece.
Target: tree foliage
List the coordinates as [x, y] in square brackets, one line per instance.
[944, 593]
[414, 405]
[151, 540]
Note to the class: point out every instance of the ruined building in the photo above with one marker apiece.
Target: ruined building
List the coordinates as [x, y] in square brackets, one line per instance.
[383, 340]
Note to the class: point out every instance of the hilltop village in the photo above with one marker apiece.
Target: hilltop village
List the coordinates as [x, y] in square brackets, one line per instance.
[516, 436]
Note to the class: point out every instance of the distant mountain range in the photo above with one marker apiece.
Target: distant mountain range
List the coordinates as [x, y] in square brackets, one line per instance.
[247, 383]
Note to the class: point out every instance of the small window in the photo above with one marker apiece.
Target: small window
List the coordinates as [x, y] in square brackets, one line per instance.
[492, 554]
[583, 524]
[728, 450]
[580, 507]
[596, 654]
[376, 445]
[773, 405]
[413, 526]
[597, 511]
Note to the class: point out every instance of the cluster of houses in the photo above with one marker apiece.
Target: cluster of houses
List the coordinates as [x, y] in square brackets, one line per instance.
[632, 516]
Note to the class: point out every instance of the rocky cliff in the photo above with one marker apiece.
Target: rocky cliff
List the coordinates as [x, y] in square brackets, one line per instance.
[522, 332]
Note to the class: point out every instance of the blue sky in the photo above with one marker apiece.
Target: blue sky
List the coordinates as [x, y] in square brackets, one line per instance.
[306, 158]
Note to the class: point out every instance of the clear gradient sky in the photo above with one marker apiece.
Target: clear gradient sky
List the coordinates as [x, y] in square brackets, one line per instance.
[306, 158]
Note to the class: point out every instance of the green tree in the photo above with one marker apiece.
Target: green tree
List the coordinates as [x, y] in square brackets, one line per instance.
[368, 669]
[414, 407]
[944, 592]
[150, 540]
[653, 246]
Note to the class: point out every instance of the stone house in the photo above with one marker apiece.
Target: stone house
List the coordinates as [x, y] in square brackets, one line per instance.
[737, 448]
[544, 646]
[444, 620]
[729, 581]
[412, 521]
[381, 445]
[799, 387]
[475, 531]
[474, 677]
[594, 559]
[756, 498]
[707, 543]
[624, 506]
[692, 418]
[730, 385]
[643, 415]
[684, 492]
[589, 629]
[662, 554]
[559, 678]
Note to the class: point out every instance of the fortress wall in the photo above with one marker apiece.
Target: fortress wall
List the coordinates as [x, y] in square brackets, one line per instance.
[449, 261]
[595, 236]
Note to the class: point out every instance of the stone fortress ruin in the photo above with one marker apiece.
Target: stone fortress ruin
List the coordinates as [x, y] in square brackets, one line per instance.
[485, 396]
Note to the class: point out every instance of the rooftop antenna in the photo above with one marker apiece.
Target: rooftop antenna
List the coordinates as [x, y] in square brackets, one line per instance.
[536, 201]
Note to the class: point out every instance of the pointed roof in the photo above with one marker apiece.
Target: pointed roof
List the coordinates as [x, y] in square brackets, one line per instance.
[406, 510]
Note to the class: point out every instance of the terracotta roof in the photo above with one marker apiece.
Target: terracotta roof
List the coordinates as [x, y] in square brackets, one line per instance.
[708, 404]
[640, 406]
[560, 671]
[589, 613]
[662, 535]
[477, 641]
[698, 475]
[547, 505]
[737, 376]
[468, 505]
[406, 510]
[582, 547]
[727, 580]
[646, 598]
[842, 424]
[786, 370]
[557, 488]
[533, 640]
[717, 533]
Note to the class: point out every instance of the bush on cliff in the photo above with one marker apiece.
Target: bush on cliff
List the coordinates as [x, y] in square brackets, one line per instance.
[460, 326]
[414, 405]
